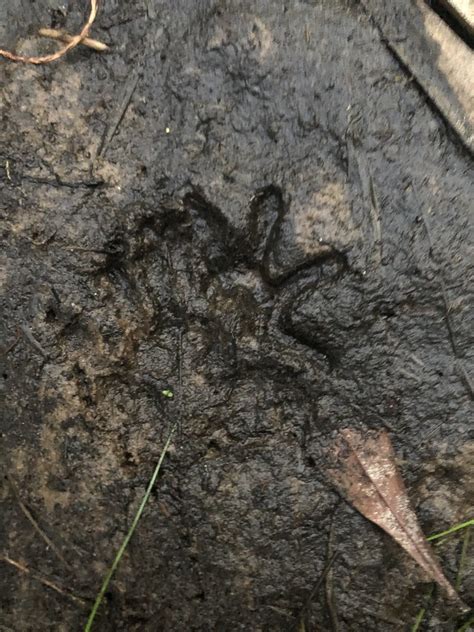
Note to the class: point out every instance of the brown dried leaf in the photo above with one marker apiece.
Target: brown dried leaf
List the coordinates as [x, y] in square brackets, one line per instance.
[368, 477]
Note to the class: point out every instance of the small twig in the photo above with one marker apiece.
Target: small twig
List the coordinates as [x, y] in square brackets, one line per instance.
[462, 559]
[45, 59]
[465, 379]
[33, 342]
[315, 590]
[13, 344]
[447, 307]
[121, 108]
[62, 36]
[35, 525]
[444, 294]
[380, 617]
[57, 182]
[329, 583]
[44, 580]
[180, 380]
[45, 241]
[370, 196]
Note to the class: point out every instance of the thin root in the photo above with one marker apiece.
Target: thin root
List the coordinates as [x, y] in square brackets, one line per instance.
[33, 522]
[46, 59]
[62, 36]
[43, 580]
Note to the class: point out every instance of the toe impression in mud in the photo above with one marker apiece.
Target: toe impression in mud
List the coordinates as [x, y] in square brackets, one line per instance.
[367, 476]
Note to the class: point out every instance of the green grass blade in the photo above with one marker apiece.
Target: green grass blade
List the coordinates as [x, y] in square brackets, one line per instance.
[453, 529]
[419, 619]
[467, 627]
[121, 551]
[438, 536]
[422, 611]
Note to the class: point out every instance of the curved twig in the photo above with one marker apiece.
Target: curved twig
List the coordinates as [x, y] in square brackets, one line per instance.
[75, 40]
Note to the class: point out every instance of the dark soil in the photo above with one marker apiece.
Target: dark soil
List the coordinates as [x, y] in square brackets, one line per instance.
[281, 219]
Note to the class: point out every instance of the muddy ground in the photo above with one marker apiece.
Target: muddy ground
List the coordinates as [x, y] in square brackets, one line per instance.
[280, 232]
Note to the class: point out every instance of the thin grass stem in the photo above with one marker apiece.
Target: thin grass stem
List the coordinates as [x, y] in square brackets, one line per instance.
[123, 546]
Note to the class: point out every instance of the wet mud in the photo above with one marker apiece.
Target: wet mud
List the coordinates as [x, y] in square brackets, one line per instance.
[252, 205]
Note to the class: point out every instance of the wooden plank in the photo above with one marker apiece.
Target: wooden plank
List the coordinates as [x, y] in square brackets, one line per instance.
[463, 11]
[441, 63]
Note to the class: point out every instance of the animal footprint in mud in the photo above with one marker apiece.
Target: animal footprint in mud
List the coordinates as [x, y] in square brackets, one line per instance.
[332, 317]
[322, 305]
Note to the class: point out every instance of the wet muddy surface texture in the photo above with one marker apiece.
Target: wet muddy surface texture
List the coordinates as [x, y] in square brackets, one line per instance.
[252, 205]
